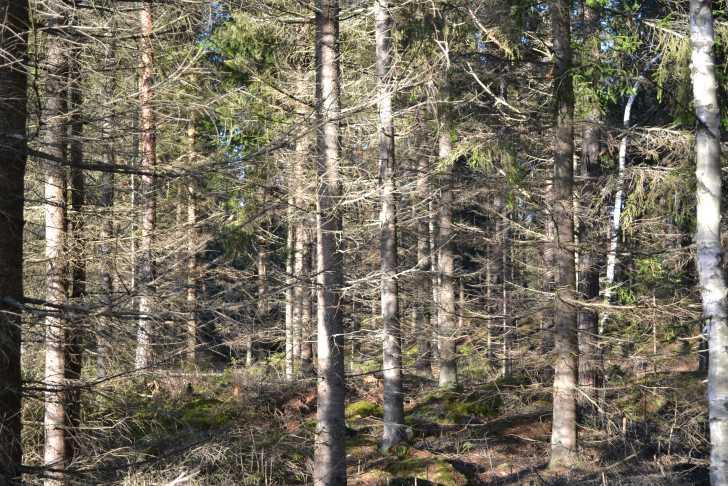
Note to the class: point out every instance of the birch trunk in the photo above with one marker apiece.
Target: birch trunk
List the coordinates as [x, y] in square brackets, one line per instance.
[148, 164]
[330, 454]
[13, 116]
[616, 222]
[563, 432]
[707, 234]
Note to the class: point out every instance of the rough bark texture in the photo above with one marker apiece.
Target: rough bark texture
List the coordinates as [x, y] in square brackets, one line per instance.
[707, 234]
[588, 258]
[329, 455]
[148, 164]
[392, 344]
[55, 234]
[13, 85]
[563, 433]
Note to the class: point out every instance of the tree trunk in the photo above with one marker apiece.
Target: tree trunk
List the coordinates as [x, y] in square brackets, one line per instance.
[447, 329]
[13, 85]
[616, 222]
[76, 326]
[423, 327]
[707, 234]
[193, 243]
[307, 368]
[329, 456]
[290, 281]
[392, 346]
[563, 433]
[263, 308]
[148, 164]
[588, 259]
[55, 457]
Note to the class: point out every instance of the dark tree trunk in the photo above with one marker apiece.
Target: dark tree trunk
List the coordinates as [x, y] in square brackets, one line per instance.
[588, 257]
[76, 327]
[13, 110]
[563, 433]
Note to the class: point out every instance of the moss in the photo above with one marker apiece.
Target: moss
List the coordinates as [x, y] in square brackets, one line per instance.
[205, 413]
[430, 469]
[449, 406]
[363, 409]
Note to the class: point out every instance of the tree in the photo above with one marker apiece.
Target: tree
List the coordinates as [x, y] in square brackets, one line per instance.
[330, 456]
[707, 234]
[588, 257]
[392, 362]
[56, 116]
[563, 432]
[148, 164]
[13, 140]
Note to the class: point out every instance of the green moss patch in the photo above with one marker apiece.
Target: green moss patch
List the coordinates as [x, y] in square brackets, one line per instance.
[362, 409]
[447, 407]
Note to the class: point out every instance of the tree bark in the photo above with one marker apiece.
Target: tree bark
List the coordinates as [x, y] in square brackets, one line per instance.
[616, 222]
[193, 272]
[563, 433]
[76, 326]
[55, 454]
[329, 456]
[148, 164]
[447, 329]
[707, 234]
[588, 259]
[392, 346]
[13, 110]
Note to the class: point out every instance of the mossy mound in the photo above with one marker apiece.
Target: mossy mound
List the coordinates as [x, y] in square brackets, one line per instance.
[363, 409]
[432, 469]
[411, 471]
[451, 406]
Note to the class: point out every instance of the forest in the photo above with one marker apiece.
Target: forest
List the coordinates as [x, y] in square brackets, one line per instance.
[365, 242]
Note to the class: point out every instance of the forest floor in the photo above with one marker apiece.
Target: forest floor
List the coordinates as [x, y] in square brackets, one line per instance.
[245, 428]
